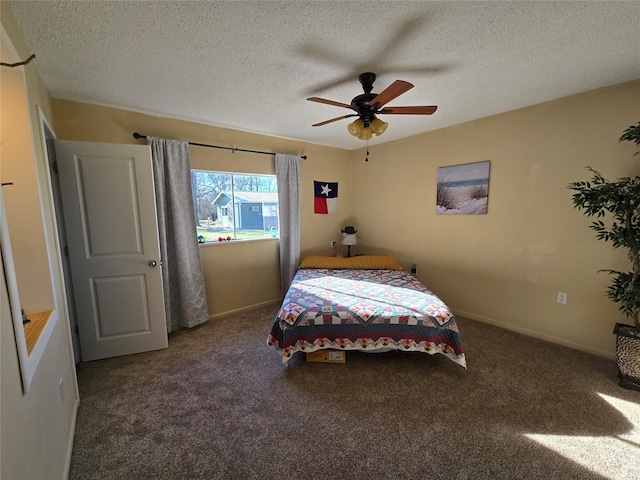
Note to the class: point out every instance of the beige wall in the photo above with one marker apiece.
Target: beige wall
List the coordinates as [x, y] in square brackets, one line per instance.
[21, 198]
[506, 267]
[37, 427]
[238, 275]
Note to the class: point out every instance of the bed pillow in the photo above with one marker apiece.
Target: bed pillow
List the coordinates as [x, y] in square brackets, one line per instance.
[361, 262]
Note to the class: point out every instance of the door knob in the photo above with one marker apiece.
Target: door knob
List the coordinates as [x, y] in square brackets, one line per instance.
[152, 263]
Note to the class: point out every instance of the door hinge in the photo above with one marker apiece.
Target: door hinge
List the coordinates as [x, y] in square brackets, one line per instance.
[77, 330]
[66, 251]
[54, 166]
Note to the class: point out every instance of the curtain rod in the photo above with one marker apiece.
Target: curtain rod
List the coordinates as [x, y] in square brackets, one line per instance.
[233, 149]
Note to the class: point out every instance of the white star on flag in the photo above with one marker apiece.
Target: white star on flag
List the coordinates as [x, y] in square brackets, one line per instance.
[326, 190]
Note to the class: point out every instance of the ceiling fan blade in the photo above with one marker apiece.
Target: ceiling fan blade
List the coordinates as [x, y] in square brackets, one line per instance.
[333, 120]
[424, 110]
[330, 102]
[394, 90]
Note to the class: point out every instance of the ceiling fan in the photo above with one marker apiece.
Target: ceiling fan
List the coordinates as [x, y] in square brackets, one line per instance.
[369, 105]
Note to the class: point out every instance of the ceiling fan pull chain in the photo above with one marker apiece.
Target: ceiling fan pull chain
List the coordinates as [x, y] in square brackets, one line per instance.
[366, 158]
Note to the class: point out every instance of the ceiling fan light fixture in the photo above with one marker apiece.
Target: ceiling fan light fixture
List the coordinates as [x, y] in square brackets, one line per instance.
[366, 134]
[356, 127]
[378, 127]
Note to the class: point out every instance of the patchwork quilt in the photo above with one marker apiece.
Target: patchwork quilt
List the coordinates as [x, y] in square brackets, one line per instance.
[369, 310]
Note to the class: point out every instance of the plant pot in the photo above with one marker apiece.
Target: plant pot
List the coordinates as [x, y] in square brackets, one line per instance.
[628, 355]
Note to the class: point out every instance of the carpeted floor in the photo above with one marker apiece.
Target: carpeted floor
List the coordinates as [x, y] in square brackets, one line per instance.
[219, 404]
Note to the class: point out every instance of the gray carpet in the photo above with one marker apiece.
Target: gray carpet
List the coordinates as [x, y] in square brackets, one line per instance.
[219, 404]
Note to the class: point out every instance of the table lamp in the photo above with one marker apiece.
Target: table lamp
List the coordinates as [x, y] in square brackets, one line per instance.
[349, 238]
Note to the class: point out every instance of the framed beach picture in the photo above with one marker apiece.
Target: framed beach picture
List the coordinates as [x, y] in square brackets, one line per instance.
[463, 189]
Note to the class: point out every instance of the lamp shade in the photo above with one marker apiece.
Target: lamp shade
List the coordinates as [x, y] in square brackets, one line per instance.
[349, 239]
[378, 126]
[355, 128]
[365, 134]
[349, 236]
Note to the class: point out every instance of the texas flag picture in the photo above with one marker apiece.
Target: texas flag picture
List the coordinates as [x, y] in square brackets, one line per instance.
[325, 197]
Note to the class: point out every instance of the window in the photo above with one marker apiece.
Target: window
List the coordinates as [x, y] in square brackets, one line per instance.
[232, 206]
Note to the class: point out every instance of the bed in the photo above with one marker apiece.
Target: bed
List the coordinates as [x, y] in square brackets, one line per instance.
[366, 303]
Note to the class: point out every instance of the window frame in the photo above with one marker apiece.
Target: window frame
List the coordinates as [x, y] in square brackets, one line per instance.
[232, 210]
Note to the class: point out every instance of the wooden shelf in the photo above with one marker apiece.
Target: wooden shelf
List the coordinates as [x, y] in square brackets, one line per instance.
[34, 328]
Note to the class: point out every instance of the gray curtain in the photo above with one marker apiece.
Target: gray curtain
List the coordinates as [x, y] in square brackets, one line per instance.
[185, 297]
[287, 174]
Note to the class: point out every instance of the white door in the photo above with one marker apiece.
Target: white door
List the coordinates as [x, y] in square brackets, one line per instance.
[108, 200]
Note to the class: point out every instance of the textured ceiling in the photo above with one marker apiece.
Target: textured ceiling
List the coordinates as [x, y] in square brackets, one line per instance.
[250, 65]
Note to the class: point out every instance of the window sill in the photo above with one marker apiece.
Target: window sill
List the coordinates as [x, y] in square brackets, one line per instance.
[235, 242]
[35, 327]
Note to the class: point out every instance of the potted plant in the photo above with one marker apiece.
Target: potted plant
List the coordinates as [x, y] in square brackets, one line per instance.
[619, 202]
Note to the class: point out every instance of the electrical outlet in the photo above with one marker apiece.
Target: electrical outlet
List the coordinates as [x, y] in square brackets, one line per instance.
[333, 243]
[562, 298]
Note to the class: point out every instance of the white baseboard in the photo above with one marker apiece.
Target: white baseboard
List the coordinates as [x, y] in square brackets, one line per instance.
[532, 333]
[72, 432]
[255, 306]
